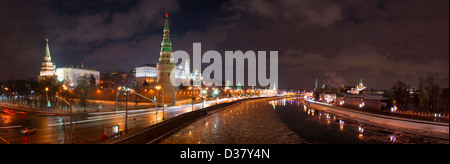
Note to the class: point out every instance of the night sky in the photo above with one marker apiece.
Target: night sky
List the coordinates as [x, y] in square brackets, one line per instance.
[338, 41]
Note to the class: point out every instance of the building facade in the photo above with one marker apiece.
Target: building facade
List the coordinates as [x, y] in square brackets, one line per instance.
[374, 102]
[360, 87]
[147, 74]
[71, 75]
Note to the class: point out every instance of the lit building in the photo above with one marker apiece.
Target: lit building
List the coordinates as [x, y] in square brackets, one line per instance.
[148, 73]
[360, 87]
[227, 86]
[375, 102]
[71, 75]
[48, 67]
[147, 70]
[196, 78]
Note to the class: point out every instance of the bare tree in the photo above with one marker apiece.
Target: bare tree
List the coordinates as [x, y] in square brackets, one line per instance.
[430, 93]
[83, 90]
[400, 94]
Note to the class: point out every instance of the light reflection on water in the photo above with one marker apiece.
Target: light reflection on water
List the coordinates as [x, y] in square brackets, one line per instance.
[321, 127]
[253, 122]
[285, 122]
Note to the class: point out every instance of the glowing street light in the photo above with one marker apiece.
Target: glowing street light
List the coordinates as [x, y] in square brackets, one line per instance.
[158, 87]
[65, 87]
[192, 98]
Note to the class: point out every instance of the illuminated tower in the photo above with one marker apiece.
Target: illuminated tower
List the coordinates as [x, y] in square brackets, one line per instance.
[316, 85]
[187, 69]
[48, 68]
[361, 85]
[165, 66]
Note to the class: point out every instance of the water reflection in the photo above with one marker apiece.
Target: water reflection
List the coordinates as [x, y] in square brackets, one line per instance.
[308, 123]
[341, 125]
[393, 138]
[361, 131]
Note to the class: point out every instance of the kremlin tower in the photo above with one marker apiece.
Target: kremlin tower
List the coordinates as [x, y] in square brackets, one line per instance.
[48, 68]
[165, 66]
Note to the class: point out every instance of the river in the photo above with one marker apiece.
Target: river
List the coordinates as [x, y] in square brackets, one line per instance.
[287, 121]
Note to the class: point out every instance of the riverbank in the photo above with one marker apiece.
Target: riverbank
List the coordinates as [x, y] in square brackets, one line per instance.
[421, 127]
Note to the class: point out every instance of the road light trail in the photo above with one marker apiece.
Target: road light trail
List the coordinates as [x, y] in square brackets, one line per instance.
[4, 140]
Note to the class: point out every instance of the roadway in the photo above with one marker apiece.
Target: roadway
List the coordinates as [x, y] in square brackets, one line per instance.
[89, 126]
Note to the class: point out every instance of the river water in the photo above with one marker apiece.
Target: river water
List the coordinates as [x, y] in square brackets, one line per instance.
[286, 121]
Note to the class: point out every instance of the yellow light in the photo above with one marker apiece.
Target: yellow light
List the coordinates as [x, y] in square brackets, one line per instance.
[46, 88]
[158, 87]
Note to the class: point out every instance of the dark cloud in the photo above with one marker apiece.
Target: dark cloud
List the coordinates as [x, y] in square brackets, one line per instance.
[305, 12]
[389, 40]
[98, 27]
[337, 41]
[365, 58]
[78, 31]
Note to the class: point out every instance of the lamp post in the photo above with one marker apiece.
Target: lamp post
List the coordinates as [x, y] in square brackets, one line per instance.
[127, 92]
[202, 95]
[117, 97]
[217, 98]
[63, 92]
[162, 90]
[192, 100]
[46, 96]
[126, 112]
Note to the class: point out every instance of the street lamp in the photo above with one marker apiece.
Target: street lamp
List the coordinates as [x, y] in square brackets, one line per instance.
[117, 98]
[63, 92]
[162, 90]
[203, 98]
[65, 87]
[192, 100]
[46, 96]
[127, 92]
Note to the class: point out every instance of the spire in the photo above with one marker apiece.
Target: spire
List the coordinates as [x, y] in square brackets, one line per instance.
[166, 45]
[48, 67]
[166, 25]
[316, 85]
[47, 49]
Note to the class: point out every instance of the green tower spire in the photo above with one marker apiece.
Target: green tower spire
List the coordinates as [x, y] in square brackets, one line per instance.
[166, 45]
[166, 25]
[47, 49]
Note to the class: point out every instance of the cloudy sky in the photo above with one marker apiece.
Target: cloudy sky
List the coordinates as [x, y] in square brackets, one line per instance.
[337, 41]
